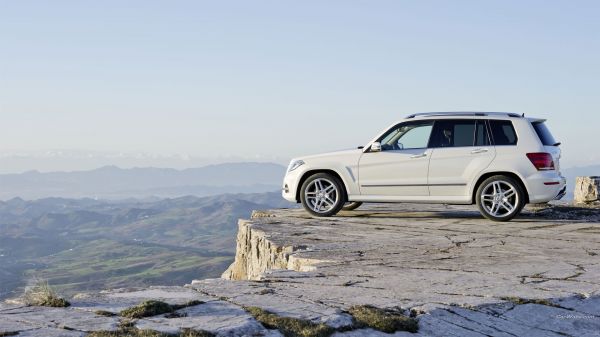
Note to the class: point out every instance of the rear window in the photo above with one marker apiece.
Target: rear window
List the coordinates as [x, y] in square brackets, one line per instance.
[545, 136]
[503, 132]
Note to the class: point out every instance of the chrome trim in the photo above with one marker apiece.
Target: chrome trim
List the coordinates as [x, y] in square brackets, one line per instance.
[463, 113]
[410, 185]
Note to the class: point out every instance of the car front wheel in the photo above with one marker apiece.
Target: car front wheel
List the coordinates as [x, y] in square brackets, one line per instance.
[500, 198]
[322, 195]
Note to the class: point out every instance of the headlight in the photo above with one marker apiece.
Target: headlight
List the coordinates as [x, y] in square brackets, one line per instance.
[295, 164]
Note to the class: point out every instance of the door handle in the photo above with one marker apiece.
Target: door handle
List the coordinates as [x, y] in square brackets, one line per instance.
[479, 151]
[419, 155]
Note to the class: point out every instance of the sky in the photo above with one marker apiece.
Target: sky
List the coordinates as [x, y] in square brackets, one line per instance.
[270, 80]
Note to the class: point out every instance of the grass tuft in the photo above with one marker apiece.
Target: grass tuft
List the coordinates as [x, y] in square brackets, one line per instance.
[520, 300]
[41, 294]
[382, 320]
[147, 309]
[288, 326]
[153, 308]
[185, 305]
[134, 332]
[105, 313]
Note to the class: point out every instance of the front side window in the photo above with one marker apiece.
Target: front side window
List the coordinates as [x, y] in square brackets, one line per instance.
[407, 136]
[503, 132]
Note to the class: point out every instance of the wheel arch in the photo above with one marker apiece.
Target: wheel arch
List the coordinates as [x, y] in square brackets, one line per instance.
[311, 172]
[495, 173]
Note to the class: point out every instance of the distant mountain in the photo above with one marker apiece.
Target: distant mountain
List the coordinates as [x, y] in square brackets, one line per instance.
[573, 172]
[84, 244]
[111, 182]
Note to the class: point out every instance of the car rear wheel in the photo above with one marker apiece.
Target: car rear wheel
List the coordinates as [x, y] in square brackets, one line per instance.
[500, 198]
[352, 205]
[322, 195]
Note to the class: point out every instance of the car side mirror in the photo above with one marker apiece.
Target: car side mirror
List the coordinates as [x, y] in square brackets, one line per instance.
[376, 147]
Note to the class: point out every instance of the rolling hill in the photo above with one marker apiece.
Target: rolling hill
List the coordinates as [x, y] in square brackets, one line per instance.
[83, 244]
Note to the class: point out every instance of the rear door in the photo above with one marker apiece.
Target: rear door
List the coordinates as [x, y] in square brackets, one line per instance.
[461, 149]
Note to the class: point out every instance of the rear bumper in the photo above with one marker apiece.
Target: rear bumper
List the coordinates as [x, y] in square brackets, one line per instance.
[546, 186]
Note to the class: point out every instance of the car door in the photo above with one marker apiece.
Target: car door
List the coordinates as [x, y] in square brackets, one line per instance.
[400, 168]
[460, 150]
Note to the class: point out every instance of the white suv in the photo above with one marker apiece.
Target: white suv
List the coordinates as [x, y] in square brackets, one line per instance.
[499, 161]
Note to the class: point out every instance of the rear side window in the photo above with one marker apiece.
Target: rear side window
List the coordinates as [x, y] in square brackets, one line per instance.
[453, 133]
[481, 133]
[545, 136]
[503, 132]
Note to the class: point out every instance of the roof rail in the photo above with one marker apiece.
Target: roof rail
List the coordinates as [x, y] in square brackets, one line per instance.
[464, 113]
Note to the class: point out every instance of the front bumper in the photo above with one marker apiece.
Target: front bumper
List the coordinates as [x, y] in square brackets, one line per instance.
[290, 185]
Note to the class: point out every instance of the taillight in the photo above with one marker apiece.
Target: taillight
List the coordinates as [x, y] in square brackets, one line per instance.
[541, 160]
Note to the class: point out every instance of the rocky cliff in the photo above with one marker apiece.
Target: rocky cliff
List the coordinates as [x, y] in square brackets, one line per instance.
[259, 251]
[410, 270]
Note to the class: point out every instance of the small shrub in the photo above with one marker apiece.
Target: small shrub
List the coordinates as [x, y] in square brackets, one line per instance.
[41, 294]
[288, 326]
[382, 320]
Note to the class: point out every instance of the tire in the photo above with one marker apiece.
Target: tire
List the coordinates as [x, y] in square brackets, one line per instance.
[500, 198]
[352, 205]
[322, 195]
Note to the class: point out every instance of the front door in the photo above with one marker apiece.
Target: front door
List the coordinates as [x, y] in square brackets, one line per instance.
[400, 168]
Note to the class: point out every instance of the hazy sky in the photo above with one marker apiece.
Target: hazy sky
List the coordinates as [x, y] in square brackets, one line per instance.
[285, 78]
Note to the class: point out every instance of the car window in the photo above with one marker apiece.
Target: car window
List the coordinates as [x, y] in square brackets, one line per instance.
[503, 132]
[481, 133]
[544, 134]
[407, 136]
[453, 133]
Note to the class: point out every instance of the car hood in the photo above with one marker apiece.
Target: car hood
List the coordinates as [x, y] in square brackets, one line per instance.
[341, 153]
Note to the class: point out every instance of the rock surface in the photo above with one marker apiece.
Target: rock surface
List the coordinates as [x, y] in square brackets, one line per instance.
[462, 271]
[462, 275]
[587, 190]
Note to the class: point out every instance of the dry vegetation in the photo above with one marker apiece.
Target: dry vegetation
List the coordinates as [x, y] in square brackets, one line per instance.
[520, 300]
[290, 327]
[41, 294]
[153, 308]
[382, 320]
[134, 332]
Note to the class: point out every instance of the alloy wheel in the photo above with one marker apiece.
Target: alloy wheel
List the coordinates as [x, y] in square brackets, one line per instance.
[499, 198]
[321, 195]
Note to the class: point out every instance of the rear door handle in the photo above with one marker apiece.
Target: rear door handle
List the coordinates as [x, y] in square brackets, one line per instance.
[479, 151]
[419, 155]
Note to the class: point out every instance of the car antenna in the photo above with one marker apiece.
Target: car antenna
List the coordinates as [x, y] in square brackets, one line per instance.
[523, 115]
